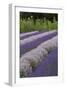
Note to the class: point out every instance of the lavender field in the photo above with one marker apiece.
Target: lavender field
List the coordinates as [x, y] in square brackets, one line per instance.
[38, 54]
[38, 45]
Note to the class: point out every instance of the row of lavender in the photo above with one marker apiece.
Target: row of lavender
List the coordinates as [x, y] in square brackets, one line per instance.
[48, 66]
[33, 41]
[28, 34]
[34, 49]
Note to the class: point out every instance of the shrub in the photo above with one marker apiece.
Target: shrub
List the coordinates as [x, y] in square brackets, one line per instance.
[40, 25]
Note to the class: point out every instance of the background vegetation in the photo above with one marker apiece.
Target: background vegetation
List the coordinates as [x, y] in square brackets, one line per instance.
[38, 21]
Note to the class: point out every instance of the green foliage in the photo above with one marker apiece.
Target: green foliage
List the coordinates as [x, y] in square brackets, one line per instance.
[27, 25]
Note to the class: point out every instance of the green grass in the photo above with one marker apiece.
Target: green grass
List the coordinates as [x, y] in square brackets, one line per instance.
[40, 25]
